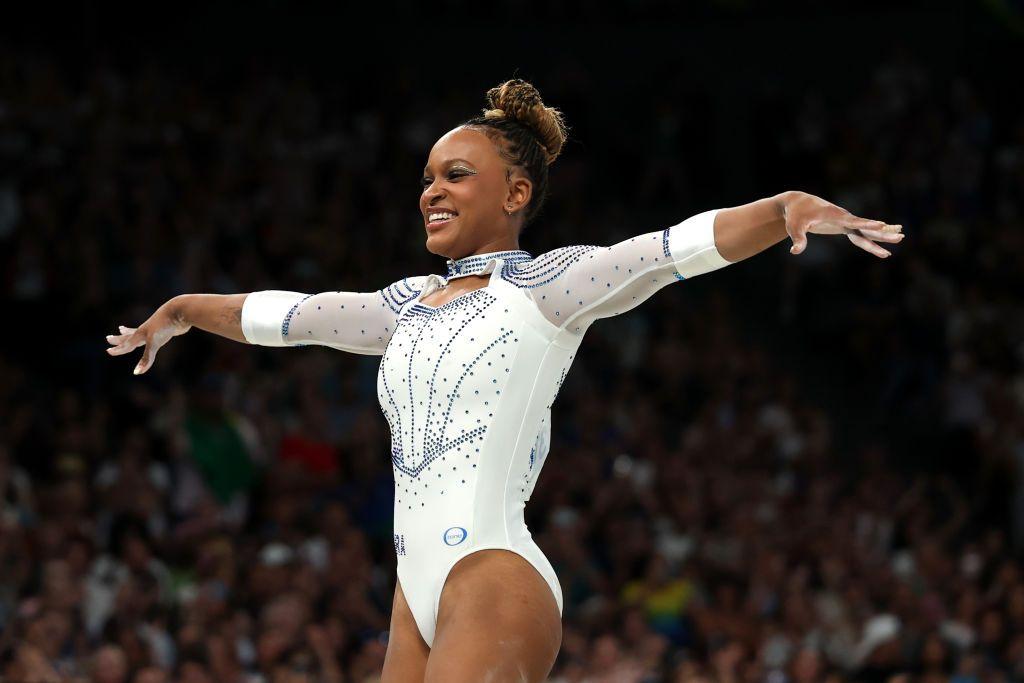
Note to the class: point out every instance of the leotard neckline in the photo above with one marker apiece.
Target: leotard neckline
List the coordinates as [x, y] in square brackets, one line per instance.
[475, 263]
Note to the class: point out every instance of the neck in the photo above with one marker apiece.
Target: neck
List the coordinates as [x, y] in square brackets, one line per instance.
[477, 261]
[491, 247]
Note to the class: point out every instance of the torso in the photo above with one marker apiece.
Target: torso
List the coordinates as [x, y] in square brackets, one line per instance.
[466, 384]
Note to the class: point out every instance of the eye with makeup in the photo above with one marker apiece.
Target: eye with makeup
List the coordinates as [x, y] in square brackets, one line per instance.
[453, 174]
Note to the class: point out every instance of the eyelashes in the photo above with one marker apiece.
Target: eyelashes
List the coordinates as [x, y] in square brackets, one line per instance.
[452, 175]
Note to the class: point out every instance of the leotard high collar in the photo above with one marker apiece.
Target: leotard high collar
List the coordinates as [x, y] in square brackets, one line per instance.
[471, 265]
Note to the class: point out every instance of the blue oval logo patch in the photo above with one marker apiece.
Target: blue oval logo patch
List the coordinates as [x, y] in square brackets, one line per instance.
[455, 535]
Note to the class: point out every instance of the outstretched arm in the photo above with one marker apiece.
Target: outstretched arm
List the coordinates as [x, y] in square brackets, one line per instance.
[742, 231]
[359, 322]
[574, 286]
[219, 314]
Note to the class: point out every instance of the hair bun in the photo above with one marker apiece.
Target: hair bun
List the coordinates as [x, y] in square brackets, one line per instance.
[519, 100]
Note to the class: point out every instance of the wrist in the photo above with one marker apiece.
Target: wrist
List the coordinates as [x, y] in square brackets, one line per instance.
[178, 309]
[784, 200]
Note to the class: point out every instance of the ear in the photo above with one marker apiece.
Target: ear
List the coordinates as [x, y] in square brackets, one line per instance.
[520, 190]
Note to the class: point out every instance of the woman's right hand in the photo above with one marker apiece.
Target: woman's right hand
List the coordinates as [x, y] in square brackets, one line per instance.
[165, 323]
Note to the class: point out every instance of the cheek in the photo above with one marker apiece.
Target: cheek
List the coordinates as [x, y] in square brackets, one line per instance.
[483, 196]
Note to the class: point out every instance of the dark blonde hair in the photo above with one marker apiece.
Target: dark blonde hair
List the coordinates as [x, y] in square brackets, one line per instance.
[529, 134]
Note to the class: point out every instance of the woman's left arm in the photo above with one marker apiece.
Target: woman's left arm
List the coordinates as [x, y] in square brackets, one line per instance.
[574, 286]
[742, 231]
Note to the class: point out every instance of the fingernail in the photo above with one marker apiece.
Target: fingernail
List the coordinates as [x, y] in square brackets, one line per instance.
[137, 370]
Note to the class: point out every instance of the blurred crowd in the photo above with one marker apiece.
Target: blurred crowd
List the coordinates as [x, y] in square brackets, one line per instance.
[816, 484]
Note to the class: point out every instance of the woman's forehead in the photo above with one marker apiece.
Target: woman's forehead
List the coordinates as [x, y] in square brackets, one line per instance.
[462, 143]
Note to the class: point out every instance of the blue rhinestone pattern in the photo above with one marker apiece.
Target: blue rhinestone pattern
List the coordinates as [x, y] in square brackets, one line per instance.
[575, 285]
[668, 254]
[471, 265]
[442, 374]
[422, 409]
[362, 322]
[399, 293]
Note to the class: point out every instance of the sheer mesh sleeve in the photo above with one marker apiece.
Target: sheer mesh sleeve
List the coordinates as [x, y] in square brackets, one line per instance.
[574, 286]
[359, 322]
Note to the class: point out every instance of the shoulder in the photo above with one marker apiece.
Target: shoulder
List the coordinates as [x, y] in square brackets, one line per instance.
[546, 267]
[398, 293]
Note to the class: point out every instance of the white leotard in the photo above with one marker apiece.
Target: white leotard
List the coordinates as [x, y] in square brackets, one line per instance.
[467, 386]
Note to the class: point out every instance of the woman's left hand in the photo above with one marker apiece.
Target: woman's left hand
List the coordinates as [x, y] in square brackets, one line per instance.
[806, 213]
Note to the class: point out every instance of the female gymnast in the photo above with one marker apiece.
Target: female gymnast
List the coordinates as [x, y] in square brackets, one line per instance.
[472, 361]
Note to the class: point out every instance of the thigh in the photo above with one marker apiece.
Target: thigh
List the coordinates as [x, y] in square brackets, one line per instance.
[406, 657]
[497, 621]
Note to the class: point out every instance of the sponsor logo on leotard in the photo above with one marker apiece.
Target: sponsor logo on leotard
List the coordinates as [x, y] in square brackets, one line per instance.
[455, 535]
[399, 544]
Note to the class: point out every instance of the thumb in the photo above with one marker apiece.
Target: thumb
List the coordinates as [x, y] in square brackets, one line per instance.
[147, 359]
[799, 242]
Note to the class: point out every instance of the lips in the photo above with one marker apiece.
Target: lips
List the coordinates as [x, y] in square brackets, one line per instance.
[438, 223]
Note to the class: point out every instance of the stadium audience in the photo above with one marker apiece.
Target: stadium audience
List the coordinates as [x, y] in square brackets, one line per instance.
[713, 511]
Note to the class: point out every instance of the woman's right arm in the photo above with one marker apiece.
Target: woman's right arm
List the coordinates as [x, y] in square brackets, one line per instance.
[358, 322]
[220, 314]
[217, 313]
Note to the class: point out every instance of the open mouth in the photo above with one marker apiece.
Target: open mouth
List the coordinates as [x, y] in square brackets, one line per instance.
[439, 218]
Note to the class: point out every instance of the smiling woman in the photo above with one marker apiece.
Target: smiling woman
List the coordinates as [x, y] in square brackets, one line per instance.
[471, 363]
[527, 137]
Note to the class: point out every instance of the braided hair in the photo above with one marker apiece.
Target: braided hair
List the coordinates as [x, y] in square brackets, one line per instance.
[527, 134]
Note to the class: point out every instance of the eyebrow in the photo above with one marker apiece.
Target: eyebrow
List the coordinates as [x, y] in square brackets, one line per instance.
[450, 161]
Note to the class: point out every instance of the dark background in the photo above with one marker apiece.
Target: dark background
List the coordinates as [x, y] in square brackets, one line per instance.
[730, 461]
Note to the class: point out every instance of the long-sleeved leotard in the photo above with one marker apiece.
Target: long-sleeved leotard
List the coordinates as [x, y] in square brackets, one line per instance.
[360, 322]
[467, 386]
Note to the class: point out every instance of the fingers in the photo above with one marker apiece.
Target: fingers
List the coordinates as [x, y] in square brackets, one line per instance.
[129, 340]
[799, 242]
[126, 332]
[868, 246]
[857, 223]
[890, 236]
[123, 343]
[865, 233]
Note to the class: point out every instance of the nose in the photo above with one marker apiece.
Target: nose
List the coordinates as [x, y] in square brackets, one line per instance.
[431, 195]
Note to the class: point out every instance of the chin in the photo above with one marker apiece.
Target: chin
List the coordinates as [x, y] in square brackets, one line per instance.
[433, 249]
[439, 241]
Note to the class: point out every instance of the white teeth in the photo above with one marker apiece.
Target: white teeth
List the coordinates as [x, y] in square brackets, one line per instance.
[440, 216]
